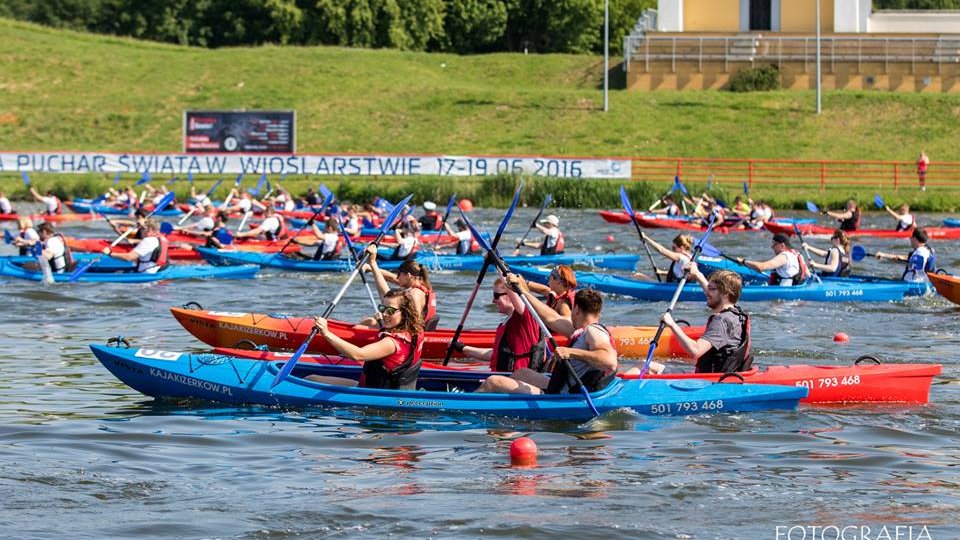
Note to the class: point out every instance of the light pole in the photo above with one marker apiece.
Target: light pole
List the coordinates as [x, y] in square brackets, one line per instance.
[606, 55]
[819, 101]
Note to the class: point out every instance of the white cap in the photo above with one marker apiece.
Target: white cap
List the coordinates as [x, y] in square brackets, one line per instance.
[430, 206]
[551, 219]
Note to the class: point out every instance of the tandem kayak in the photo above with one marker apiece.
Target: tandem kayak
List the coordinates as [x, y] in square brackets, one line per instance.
[169, 374]
[179, 253]
[686, 223]
[282, 331]
[934, 233]
[105, 264]
[84, 207]
[858, 383]
[948, 286]
[108, 275]
[839, 290]
[470, 263]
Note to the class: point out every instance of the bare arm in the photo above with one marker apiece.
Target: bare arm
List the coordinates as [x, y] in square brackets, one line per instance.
[770, 264]
[694, 348]
[551, 318]
[601, 354]
[373, 351]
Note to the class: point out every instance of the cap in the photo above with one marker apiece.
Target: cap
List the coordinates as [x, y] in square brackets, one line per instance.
[551, 219]
[781, 238]
[431, 206]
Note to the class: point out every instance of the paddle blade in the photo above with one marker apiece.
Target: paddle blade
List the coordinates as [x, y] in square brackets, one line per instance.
[164, 202]
[710, 250]
[476, 234]
[450, 203]
[683, 188]
[214, 188]
[166, 228]
[260, 183]
[7, 236]
[190, 178]
[326, 202]
[36, 249]
[224, 236]
[746, 189]
[325, 191]
[509, 214]
[116, 179]
[858, 253]
[172, 180]
[625, 202]
[394, 214]
[144, 178]
[288, 367]
[236, 183]
[25, 178]
[812, 207]
[82, 269]
[878, 201]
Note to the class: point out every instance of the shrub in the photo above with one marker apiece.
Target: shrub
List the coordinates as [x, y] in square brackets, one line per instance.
[756, 79]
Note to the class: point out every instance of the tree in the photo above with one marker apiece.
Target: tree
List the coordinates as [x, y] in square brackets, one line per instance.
[475, 26]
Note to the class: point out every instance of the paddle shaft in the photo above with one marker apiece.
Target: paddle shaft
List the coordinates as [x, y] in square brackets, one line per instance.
[446, 215]
[533, 224]
[636, 224]
[813, 271]
[313, 217]
[353, 257]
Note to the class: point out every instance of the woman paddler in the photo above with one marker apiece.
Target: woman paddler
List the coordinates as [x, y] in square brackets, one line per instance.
[836, 260]
[391, 362]
[413, 278]
[559, 291]
[680, 253]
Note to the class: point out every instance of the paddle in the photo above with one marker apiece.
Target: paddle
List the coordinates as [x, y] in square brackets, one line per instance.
[878, 202]
[858, 253]
[25, 178]
[483, 272]
[166, 200]
[194, 207]
[814, 208]
[446, 216]
[387, 223]
[7, 236]
[103, 197]
[676, 295]
[683, 189]
[813, 272]
[236, 185]
[353, 258]
[710, 250]
[309, 221]
[546, 202]
[625, 201]
[657, 202]
[504, 271]
[37, 251]
[256, 192]
[746, 190]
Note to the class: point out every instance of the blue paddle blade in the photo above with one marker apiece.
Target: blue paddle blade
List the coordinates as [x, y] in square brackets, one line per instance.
[394, 214]
[683, 188]
[812, 207]
[858, 253]
[709, 182]
[878, 201]
[269, 189]
[224, 236]
[625, 202]
[710, 250]
[172, 180]
[82, 269]
[7, 236]
[722, 203]
[325, 191]
[166, 228]
[116, 179]
[236, 183]
[451, 202]
[190, 178]
[36, 250]
[746, 189]
[506, 217]
[288, 367]
[144, 178]
[260, 183]
[25, 178]
[326, 202]
[214, 188]
[164, 202]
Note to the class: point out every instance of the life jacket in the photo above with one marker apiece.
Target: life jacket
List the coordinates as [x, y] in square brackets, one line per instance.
[66, 260]
[844, 268]
[465, 247]
[160, 255]
[562, 380]
[430, 222]
[215, 234]
[281, 231]
[730, 358]
[555, 301]
[675, 272]
[917, 266]
[801, 277]
[24, 250]
[507, 357]
[403, 377]
[852, 223]
[430, 317]
[553, 250]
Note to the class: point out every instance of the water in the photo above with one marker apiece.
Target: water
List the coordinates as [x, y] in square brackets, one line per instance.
[86, 457]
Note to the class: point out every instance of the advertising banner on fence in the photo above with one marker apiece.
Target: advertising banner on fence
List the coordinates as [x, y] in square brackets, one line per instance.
[315, 165]
[239, 131]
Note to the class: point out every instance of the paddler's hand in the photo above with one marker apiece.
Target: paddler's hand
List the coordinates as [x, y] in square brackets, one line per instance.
[741, 261]
[692, 267]
[804, 245]
[667, 319]
[563, 353]
[321, 325]
[372, 251]
[106, 251]
[515, 280]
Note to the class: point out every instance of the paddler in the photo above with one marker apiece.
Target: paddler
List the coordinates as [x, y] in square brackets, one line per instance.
[151, 253]
[680, 253]
[55, 249]
[559, 291]
[5, 206]
[271, 228]
[849, 218]
[836, 260]
[51, 203]
[670, 207]
[518, 344]
[462, 234]
[431, 220]
[392, 362]
[203, 225]
[725, 344]
[591, 353]
[553, 241]
[407, 242]
[414, 279]
[788, 267]
[329, 242]
[905, 220]
[920, 260]
[27, 237]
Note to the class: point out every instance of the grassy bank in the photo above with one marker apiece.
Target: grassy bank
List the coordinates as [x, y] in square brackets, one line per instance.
[70, 91]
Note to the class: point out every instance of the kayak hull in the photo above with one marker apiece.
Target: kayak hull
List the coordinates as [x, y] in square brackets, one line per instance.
[234, 380]
[280, 331]
[948, 286]
[178, 253]
[111, 276]
[831, 290]
[934, 233]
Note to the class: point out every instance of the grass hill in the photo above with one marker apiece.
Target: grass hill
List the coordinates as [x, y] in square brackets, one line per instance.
[63, 90]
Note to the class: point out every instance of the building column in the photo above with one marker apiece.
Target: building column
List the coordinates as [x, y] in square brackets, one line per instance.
[670, 15]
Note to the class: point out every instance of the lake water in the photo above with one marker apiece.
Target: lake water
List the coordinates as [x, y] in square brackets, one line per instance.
[84, 456]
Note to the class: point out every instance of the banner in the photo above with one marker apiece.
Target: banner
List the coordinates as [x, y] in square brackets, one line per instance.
[239, 131]
[315, 165]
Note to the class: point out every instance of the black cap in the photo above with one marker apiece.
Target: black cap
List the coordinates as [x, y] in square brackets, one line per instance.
[781, 238]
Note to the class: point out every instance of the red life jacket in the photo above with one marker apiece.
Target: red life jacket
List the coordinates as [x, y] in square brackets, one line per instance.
[398, 371]
[798, 279]
[160, 254]
[430, 318]
[519, 333]
[555, 301]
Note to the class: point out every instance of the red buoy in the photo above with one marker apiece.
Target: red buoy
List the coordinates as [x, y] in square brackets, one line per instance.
[466, 205]
[841, 337]
[523, 452]
[610, 238]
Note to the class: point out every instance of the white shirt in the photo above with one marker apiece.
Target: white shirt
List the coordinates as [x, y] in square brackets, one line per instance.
[406, 245]
[30, 235]
[245, 205]
[58, 261]
[206, 223]
[289, 206]
[905, 222]
[50, 203]
[788, 270]
[329, 242]
[271, 225]
[5, 206]
[463, 236]
[158, 197]
[144, 249]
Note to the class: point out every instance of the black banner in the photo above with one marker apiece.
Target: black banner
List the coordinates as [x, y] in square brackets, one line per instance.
[239, 132]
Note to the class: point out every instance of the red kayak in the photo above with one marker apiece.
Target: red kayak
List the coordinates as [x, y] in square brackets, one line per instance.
[935, 233]
[664, 222]
[883, 383]
[281, 331]
[58, 218]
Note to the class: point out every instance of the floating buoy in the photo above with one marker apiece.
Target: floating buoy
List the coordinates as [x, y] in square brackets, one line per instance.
[466, 205]
[841, 337]
[610, 238]
[523, 452]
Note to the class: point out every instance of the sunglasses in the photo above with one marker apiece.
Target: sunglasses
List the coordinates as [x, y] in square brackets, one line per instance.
[387, 310]
[554, 274]
[497, 295]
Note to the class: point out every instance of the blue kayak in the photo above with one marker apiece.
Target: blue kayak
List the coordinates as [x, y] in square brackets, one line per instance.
[110, 275]
[87, 207]
[430, 260]
[105, 264]
[832, 290]
[235, 380]
[951, 222]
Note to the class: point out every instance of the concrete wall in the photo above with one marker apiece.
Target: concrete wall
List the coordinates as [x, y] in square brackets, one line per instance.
[850, 16]
[670, 15]
[711, 15]
[902, 22]
[800, 16]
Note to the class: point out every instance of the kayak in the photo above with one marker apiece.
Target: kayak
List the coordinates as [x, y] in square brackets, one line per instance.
[112, 276]
[951, 222]
[840, 290]
[37, 218]
[948, 286]
[709, 265]
[935, 233]
[105, 264]
[865, 383]
[168, 374]
[468, 263]
[282, 331]
[859, 383]
[178, 253]
[684, 223]
[81, 207]
[621, 217]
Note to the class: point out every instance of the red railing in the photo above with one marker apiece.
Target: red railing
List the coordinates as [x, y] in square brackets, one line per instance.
[823, 174]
